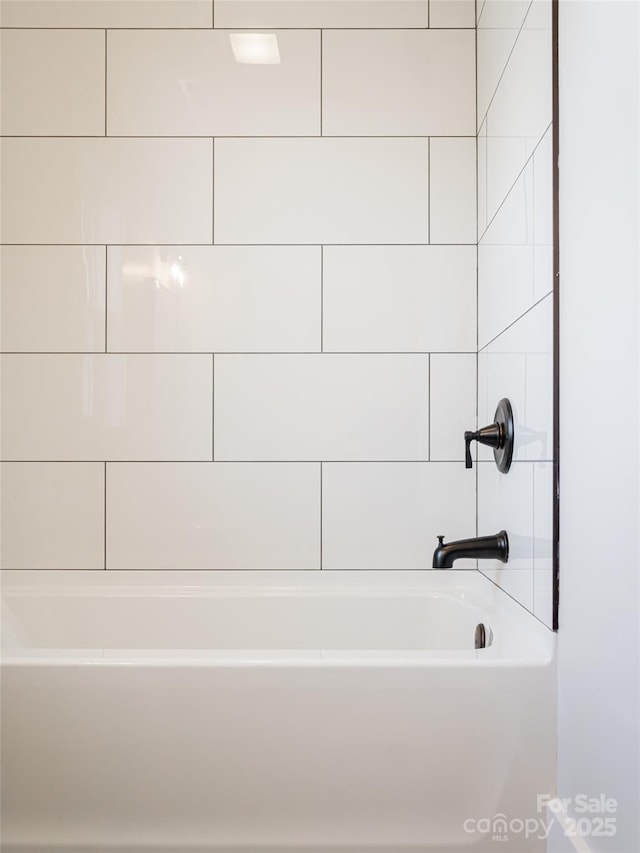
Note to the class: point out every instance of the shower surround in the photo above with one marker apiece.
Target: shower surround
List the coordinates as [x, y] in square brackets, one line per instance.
[239, 300]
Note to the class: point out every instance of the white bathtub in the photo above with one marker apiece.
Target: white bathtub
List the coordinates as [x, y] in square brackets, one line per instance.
[270, 711]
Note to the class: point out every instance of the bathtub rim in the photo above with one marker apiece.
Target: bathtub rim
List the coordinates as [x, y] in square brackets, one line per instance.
[524, 640]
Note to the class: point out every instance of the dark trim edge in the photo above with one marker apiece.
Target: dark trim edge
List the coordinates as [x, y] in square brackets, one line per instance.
[556, 322]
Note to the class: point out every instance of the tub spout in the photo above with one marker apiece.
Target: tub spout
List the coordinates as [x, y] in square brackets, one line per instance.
[481, 548]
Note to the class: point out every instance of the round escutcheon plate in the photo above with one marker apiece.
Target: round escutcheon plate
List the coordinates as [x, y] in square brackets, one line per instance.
[504, 418]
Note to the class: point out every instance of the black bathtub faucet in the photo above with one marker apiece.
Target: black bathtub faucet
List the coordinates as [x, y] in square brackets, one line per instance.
[481, 548]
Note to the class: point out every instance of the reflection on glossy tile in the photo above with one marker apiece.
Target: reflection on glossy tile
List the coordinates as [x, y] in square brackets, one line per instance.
[106, 190]
[505, 502]
[213, 516]
[399, 298]
[106, 13]
[505, 262]
[498, 30]
[452, 404]
[52, 515]
[189, 83]
[52, 298]
[395, 82]
[519, 365]
[521, 110]
[387, 515]
[315, 407]
[92, 407]
[482, 180]
[453, 190]
[543, 541]
[452, 13]
[321, 191]
[52, 82]
[267, 14]
[214, 298]
[517, 584]
[543, 217]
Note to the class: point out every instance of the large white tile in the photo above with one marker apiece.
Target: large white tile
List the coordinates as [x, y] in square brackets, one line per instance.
[386, 515]
[257, 14]
[543, 217]
[482, 179]
[399, 298]
[213, 516]
[52, 82]
[543, 541]
[505, 262]
[52, 298]
[519, 365]
[517, 584]
[522, 109]
[505, 502]
[498, 29]
[452, 405]
[214, 299]
[452, 13]
[52, 515]
[106, 13]
[106, 190]
[452, 188]
[321, 191]
[315, 407]
[189, 83]
[92, 407]
[398, 82]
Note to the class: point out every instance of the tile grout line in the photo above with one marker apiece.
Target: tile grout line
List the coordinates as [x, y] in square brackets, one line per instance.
[321, 77]
[529, 159]
[256, 137]
[246, 245]
[429, 407]
[321, 531]
[105, 82]
[321, 298]
[105, 517]
[213, 190]
[260, 461]
[517, 320]
[233, 29]
[253, 352]
[213, 407]
[106, 297]
[428, 190]
[502, 73]
[477, 359]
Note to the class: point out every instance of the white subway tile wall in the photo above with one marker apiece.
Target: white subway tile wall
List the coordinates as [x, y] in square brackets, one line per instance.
[515, 284]
[327, 14]
[43, 93]
[52, 298]
[452, 190]
[322, 190]
[52, 515]
[398, 82]
[239, 290]
[216, 515]
[390, 513]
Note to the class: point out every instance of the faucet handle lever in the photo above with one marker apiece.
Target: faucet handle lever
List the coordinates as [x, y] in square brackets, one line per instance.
[498, 435]
[492, 436]
[440, 539]
[468, 438]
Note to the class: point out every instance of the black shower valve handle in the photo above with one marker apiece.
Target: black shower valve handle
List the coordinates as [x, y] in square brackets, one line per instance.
[469, 436]
[491, 436]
